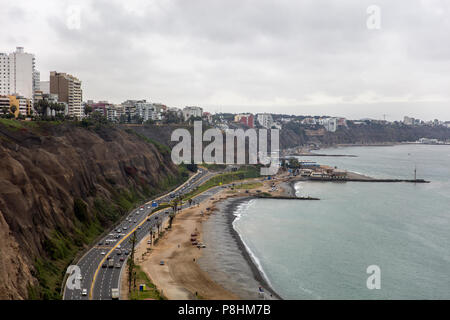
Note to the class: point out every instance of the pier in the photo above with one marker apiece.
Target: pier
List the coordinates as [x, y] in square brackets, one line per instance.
[367, 180]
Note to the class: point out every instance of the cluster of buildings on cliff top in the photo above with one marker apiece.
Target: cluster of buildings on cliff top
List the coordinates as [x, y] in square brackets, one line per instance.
[21, 89]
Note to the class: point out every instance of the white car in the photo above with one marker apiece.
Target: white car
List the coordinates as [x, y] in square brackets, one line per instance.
[84, 292]
[103, 253]
[118, 247]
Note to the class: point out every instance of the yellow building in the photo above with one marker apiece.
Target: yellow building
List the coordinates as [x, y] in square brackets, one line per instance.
[22, 105]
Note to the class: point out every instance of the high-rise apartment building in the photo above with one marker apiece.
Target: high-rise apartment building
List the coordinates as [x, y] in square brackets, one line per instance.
[4, 74]
[68, 89]
[17, 73]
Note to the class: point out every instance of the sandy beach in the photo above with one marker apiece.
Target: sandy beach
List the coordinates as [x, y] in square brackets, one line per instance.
[221, 271]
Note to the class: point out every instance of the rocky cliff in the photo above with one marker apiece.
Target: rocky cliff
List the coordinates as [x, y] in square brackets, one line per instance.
[60, 186]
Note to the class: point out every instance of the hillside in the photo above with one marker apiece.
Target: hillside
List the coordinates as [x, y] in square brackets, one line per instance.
[293, 135]
[61, 185]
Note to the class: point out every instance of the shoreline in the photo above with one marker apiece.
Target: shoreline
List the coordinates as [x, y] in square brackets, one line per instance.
[187, 274]
[258, 274]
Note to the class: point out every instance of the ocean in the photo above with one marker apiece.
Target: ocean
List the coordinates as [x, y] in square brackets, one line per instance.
[322, 249]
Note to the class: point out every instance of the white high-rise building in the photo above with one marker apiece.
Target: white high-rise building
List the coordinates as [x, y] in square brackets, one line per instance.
[5, 86]
[17, 73]
[36, 81]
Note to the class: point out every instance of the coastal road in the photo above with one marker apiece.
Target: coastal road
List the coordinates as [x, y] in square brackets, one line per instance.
[92, 263]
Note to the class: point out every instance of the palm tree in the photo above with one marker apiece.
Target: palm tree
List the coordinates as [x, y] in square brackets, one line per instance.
[131, 261]
[171, 217]
[87, 109]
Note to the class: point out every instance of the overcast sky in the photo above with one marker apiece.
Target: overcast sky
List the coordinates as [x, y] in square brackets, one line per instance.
[296, 57]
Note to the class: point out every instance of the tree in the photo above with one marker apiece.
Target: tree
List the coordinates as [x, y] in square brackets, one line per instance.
[171, 217]
[87, 109]
[293, 163]
[172, 117]
[41, 107]
[13, 109]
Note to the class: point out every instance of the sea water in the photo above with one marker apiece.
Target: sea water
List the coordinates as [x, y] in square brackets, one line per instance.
[322, 249]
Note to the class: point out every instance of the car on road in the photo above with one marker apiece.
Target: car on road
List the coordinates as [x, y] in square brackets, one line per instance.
[84, 292]
[118, 247]
[115, 293]
[103, 253]
[139, 227]
[100, 243]
[125, 228]
[111, 263]
[122, 259]
[161, 263]
[119, 252]
[126, 252]
[104, 265]
[118, 265]
[149, 241]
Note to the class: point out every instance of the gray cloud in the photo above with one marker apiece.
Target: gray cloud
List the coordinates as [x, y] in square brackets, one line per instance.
[311, 56]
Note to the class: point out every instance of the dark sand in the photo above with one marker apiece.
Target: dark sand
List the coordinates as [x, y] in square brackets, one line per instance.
[226, 258]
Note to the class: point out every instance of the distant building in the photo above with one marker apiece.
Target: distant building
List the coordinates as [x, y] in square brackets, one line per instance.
[330, 124]
[245, 118]
[44, 86]
[265, 120]
[207, 117]
[159, 107]
[36, 81]
[189, 112]
[23, 106]
[408, 121]
[68, 89]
